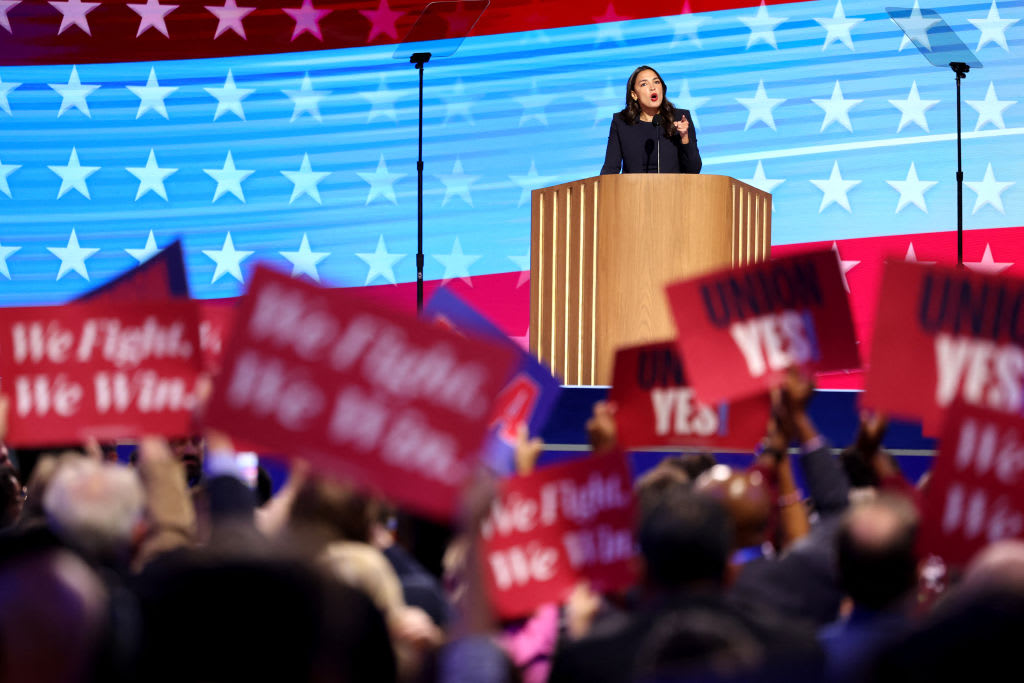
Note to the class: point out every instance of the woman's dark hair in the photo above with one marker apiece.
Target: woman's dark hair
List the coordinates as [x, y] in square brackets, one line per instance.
[632, 111]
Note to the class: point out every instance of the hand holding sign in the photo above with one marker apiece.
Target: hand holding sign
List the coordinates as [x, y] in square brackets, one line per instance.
[741, 329]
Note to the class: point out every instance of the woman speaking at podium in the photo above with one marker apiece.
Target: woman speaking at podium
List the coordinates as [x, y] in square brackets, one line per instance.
[650, 135]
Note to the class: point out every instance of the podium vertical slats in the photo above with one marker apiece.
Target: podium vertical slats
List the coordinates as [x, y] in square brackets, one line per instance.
[574, 309]
[637, 233]
[588, 336]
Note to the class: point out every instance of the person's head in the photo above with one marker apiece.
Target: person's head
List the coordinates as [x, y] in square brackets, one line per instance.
[685, 539]
[189, 451]
[334, 508]
[95, 507]
[646, 94]
[656, 482]
[997, 565]
[877, 564]
[745, 495]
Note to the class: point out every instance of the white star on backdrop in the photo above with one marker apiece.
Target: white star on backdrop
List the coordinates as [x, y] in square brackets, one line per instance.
[912, 109]
[5, 7]
[911, 256]
[987, 264]
[305, 180]
[844, 266]
[151, 177]
[228, 260]
[834, 189]
[915, 28]
[229, 98]
[381, 263]
[530, 182]
[382, 183]
[152, 15]
[229, 178]
[306, 100]
[5, 90]
[72, 257]
[689, 102]
[229, 16]
[304, 261]
[74, 175]
[760, 106]
[686, 27]
[838, 27]
[5, 252]
[456, 183]
[989, 191]
[605, 102]
[523, 266]
[5, 171]
[609, 26]
[762, 27]
[456, 264]
[990, 109]
[993, 28]
[912, 189]
[147, 252]
[457, 104]
[382, 102]
[151, 95]
[73, 94]
[73, 14]
[533, 106]
[761, 182]
[837, 109]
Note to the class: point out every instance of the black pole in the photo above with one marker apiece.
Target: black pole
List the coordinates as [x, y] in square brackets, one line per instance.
[960, 69]
[419, 59]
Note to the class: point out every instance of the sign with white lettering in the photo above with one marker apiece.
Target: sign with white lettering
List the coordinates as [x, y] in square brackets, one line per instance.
[99, 370]
[740, 329]
[528, 398]
[548, 530]
[657, 407]
[944, 334]
[976, 495]
[396, 405]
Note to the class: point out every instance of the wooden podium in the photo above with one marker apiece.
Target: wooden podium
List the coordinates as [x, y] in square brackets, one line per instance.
[602, 250]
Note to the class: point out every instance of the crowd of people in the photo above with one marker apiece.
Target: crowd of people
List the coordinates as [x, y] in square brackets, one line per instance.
[170, 565]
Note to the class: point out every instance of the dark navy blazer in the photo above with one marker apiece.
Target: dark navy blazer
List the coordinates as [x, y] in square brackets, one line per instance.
[635, 148]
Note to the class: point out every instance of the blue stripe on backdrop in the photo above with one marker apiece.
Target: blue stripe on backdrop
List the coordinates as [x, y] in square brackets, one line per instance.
[835, 413]
[506, 114]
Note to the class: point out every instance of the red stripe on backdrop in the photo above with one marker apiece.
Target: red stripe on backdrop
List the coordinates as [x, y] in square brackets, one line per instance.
[505, 298]
[78, 31]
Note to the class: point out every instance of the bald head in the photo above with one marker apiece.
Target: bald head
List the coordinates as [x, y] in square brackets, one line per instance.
[999, 565]
[746, 497]
[877, 564]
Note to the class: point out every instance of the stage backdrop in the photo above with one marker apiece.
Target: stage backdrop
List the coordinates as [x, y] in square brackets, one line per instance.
[285, 131]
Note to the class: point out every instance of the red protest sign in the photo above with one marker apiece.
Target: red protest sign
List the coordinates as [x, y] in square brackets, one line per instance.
[944, 334]
[548, 530]
[975, 495]
[216, 319]
[392, 403]
[99, 370]
[740, 329]
[657, 407]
